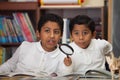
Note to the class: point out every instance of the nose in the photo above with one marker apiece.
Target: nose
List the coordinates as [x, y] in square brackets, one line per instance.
[52, 34]
[80, 37]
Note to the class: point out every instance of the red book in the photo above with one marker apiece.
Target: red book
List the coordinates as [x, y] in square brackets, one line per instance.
[25, 27]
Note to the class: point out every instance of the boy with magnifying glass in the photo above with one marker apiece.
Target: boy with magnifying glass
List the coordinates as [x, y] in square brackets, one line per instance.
[44, 55]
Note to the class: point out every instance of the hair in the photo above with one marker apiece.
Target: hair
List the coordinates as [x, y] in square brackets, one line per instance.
[50, 17]
[82, 20]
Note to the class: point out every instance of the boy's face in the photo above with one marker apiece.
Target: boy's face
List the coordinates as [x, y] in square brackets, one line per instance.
[82, 35]
[50, 35]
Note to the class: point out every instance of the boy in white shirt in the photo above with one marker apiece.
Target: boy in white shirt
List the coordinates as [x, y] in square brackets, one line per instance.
[90, 53]
[44, 55]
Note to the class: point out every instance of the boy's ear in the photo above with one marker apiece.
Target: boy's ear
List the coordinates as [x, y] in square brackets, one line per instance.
[94, 34]
[37, 35]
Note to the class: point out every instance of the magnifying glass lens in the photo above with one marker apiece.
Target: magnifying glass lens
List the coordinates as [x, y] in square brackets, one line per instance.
[66, 49]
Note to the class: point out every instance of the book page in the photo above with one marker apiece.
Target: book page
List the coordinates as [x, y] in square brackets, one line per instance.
[95, 73]
[100, 73]
[33, 74]
[4, 74]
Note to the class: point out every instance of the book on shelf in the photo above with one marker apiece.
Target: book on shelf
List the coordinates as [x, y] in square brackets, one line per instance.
[6, 53]
[2, 55]
[3, 35]
[12, 31]
[64, 37]
[93, 3]
[60, 2]
[66, 32]
[17, 27]
[5, 29]
[18, 21]
[24, 27]
[30, 25]
[9, 37]
[8, 32]
[94, 73]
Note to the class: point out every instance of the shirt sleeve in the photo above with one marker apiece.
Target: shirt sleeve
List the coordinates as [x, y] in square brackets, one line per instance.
[107, 47]
[63, 69]
[10, 64]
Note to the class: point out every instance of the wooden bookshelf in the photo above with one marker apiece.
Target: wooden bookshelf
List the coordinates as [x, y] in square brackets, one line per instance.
[10, 44]
[32, 8]
[18, 6]
[7, 8]
[110, 20]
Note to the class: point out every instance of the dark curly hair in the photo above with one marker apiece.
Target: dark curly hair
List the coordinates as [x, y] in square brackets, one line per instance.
[50, 17]
[82, 19]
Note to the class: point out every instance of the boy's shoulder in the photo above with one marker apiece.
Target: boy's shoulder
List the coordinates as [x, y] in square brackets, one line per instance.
[27, 43]
[99, 41]
[72, 44]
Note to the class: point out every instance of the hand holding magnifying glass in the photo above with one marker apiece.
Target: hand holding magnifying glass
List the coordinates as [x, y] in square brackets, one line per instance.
[68, 50]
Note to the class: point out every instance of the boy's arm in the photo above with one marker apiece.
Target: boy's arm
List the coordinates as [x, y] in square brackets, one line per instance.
[109, 57]
[65, 67]
[112, 61]
[10, 64]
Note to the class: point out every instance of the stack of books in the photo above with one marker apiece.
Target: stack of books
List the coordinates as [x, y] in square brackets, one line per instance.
[60, 3]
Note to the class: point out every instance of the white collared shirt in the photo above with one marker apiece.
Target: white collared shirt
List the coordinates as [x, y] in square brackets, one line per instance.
[32, 57]
[91, 58]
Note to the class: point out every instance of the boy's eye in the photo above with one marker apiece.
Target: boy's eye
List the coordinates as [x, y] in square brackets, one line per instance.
[85, 32]
[47, 30]
[56, 31]
[76, 33]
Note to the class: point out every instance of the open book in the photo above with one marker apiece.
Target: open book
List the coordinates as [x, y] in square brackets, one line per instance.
[95, 73]
[40, 74]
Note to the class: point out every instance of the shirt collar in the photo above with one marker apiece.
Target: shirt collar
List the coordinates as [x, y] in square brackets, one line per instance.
[54, 53]
[90, 47]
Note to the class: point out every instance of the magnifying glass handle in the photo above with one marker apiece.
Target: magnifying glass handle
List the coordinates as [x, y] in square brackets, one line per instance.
[67, 56]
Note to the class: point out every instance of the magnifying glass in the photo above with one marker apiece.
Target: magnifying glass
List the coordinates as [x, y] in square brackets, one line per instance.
[66, 49]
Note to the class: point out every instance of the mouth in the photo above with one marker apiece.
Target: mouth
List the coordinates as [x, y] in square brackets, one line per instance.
[51, 42]
[81, 43]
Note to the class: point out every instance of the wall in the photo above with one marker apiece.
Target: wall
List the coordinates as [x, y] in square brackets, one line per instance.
[116, 27]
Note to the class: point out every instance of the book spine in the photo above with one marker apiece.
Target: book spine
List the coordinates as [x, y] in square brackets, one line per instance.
[5, 29]
[66, 32]
[1, 55]
[12, 31]
[17, 26]
[30, 26]
[25, 27]
[64, 38]
[53, 2]
[2, 31]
